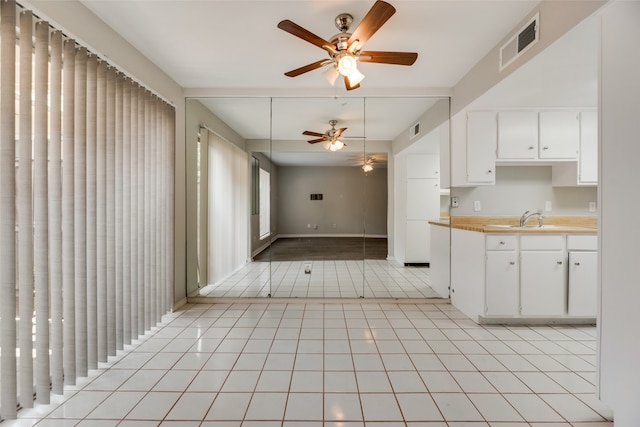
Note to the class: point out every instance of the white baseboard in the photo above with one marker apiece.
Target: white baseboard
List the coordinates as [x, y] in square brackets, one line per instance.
[297, 236]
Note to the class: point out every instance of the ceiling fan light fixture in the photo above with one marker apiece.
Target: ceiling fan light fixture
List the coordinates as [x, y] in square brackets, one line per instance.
[367, 167]
[336, 145]
[347, 64]
[331, 74]
[355, 77]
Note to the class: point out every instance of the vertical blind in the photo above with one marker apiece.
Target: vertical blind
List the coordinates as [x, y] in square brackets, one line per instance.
[86, 210]
[228, 200]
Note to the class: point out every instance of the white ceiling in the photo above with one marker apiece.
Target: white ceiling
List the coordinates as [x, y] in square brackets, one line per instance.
[235, 44]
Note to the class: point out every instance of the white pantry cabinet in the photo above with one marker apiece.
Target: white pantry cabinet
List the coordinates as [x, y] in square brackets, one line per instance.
[422, 205]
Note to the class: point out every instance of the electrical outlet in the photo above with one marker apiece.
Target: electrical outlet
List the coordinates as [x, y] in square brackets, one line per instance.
[547, 206]
[454, 202]
[477, 206]
[592, 206]
[307, 269]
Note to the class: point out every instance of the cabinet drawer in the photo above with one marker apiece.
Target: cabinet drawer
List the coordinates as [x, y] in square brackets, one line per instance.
[576, 242]
[542, 243]
[502, 242]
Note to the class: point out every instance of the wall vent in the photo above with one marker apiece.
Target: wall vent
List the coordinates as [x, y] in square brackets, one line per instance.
[414, 130]
[526, 37]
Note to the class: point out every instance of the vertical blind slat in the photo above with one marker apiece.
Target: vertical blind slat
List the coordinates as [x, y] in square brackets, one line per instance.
[141, 221]
[68, 249]
[92, 269]
[101, 210]
[55, 212]
[118, 210]
[134, 209]
[80, 209]
[25, 215]
[8, 378]
[110, 208]
[41, 212]
[126, 212]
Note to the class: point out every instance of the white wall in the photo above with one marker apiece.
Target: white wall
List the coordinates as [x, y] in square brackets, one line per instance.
[355, 203]
[619, 346]
[521, 188]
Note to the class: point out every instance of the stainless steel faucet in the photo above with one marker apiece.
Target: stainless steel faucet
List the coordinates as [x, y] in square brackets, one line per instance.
[525, 216]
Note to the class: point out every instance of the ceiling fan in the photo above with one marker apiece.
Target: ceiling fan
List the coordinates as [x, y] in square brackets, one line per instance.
[330, 138]
[345, 49]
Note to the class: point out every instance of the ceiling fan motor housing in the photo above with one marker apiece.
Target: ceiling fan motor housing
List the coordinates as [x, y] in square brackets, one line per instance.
[343, 22]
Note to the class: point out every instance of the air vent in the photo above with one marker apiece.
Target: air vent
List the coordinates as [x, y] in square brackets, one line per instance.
[414, 130]
[520, 42]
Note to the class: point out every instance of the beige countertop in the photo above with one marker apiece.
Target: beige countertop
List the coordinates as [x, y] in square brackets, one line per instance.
[509, 224]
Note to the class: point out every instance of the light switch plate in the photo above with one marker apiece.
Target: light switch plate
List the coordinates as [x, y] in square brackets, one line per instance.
[477, 206]
[592, 206]
[547, 206]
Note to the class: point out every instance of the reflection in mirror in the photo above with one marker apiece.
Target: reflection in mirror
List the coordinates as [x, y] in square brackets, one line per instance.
[319, 222]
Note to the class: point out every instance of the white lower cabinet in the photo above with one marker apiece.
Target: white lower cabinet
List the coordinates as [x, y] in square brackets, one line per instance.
[583, 276]
[542, 283]
[502, 283]
[536, 276]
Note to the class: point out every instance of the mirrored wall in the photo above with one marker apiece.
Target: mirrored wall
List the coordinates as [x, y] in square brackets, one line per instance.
[322, 197]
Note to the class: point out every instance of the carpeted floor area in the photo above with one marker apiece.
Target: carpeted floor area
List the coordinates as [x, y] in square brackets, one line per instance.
[324, 249]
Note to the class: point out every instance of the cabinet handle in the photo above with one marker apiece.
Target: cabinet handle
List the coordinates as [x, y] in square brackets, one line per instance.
[502, 242]
[489, 171]
[531, 147]
[545, 148]
[512, 262]
[559, 262]
[436, 172]
[576, 263]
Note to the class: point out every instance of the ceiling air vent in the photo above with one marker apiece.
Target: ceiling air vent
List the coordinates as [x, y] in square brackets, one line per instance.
[414, 130]
[520, 42]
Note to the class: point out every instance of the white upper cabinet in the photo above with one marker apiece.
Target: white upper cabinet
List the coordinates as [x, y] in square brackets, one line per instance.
[482, 136]
[559, 134]
[517, 135]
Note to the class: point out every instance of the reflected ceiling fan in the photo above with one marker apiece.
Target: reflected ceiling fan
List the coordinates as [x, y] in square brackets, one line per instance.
[330, 139]
[345, 48]
[369, 161]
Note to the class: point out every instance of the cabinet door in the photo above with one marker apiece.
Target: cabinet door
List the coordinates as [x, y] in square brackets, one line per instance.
[417, 242]
[518, 135]
[482, 136]
[588, 156]
[439, 261]
[583, 283]
[543, 283]
[502, 283]
[559, 135]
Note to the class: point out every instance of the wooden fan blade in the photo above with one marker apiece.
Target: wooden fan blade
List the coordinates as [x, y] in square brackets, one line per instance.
[307, 68]
[339, 132]
[398, 58]
[306, 35]
[347, 84]
[308, 132]
[379, 13]
[314, 141]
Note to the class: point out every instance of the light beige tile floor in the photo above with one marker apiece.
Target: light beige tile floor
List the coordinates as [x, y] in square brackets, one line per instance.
[352, 364]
